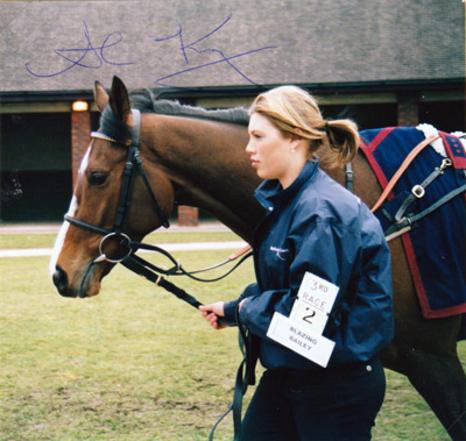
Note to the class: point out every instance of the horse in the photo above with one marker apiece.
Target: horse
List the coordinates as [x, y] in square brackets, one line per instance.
[196, 157]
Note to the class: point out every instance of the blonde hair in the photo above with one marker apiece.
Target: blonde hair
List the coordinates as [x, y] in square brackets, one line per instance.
[295, 112]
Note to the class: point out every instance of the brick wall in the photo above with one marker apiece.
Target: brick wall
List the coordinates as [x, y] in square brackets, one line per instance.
[188, 216]
[80, 139]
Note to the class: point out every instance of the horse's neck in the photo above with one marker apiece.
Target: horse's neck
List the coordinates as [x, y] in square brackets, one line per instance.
[209, 168]
[207, 164]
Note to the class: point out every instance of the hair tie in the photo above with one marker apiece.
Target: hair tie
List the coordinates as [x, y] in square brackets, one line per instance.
[326, 128]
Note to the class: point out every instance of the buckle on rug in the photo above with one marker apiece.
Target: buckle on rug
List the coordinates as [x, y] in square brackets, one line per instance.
[418, 191]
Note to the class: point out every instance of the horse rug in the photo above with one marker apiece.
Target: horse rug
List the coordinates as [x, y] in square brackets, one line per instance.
[435, 247]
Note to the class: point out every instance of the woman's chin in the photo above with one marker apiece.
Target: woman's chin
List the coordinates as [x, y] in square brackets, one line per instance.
[262, 174]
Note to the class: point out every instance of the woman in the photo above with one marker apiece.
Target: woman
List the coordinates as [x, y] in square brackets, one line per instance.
[313, 227]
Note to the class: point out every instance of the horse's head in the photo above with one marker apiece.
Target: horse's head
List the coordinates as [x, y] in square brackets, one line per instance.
[99, 205]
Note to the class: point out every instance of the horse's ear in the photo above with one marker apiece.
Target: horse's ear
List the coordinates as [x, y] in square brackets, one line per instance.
[119, 100]
[100, 96]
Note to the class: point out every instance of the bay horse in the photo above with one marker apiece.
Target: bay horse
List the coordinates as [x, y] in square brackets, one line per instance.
[196, 157]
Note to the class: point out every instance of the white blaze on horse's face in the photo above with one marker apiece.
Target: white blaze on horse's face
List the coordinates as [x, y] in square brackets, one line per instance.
[65, 225]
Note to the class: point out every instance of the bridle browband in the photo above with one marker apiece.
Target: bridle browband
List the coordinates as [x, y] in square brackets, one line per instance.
[117, 236]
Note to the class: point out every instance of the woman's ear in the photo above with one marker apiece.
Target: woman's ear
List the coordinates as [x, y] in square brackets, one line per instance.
[294, 142]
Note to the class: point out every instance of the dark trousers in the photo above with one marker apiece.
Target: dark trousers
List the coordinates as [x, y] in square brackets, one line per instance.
[334, 404]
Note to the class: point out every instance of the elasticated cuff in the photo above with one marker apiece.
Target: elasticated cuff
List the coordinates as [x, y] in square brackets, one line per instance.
[229, 309]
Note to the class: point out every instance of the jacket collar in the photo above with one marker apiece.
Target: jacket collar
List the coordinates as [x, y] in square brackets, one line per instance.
[270, 193]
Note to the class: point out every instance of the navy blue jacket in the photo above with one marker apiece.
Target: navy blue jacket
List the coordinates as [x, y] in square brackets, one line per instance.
[316, 225]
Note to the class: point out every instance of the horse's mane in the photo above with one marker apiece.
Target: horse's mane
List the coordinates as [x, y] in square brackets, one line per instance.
[146, 101]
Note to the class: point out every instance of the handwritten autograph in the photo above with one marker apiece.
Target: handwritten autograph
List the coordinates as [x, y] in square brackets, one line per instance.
[91, 56]
[76, 56]
[191, 46]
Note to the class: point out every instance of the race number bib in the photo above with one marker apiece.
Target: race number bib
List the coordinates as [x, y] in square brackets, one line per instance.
[315, 300]
[302, 330]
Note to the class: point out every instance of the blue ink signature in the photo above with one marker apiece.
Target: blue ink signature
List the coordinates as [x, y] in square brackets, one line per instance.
[76, 56]
[191, 46]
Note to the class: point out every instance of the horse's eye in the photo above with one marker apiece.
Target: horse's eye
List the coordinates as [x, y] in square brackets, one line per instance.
[97, 178]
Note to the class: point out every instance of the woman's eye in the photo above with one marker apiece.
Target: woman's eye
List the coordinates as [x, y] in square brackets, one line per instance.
[97, 178]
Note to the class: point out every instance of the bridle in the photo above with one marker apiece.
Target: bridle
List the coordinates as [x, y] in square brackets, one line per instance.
[117, 238]
[116, 234]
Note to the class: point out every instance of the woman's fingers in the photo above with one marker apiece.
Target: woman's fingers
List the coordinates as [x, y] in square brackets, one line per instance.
[211, 314]
[206, 310]
[216, 307]
[213, 319]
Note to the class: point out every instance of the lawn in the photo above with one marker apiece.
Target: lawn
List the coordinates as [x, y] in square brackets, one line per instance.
[135, 364]
[8, 241]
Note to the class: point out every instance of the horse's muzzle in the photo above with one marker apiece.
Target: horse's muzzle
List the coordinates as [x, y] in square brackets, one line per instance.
[60, 280]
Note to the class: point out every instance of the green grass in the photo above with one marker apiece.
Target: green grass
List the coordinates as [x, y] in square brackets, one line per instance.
[8, 241]
[135, 364]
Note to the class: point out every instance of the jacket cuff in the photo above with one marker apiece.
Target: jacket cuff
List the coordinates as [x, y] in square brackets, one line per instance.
[229, 310]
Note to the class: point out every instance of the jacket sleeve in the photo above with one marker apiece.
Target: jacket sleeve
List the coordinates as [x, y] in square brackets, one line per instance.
[368, 325]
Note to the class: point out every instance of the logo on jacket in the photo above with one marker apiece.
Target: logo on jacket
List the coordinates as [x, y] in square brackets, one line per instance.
[280, 252]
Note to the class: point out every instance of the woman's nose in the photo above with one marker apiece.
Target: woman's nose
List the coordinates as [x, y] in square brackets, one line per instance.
[249, 148]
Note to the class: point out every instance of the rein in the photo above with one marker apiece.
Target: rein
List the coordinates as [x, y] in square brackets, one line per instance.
[117, 247]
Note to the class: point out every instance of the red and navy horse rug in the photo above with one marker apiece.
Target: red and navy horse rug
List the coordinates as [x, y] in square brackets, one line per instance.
[429, 201]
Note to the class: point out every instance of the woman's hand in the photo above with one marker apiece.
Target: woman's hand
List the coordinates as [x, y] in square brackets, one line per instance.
[212, 313]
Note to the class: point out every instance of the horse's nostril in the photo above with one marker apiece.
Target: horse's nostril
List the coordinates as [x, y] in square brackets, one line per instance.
[60, 280]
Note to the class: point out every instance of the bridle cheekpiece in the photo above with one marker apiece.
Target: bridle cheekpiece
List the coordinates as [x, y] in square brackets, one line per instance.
[116, 237]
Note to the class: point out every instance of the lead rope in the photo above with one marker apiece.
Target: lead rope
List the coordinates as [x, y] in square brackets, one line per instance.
[133, 265]
[245, 376]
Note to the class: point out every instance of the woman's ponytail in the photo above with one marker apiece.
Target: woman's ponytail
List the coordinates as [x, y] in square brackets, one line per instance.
[343, 142]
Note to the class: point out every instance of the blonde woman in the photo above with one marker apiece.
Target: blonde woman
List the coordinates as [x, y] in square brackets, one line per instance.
[315, 231]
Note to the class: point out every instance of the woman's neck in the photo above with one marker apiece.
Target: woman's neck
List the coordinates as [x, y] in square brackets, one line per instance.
[293, 171]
